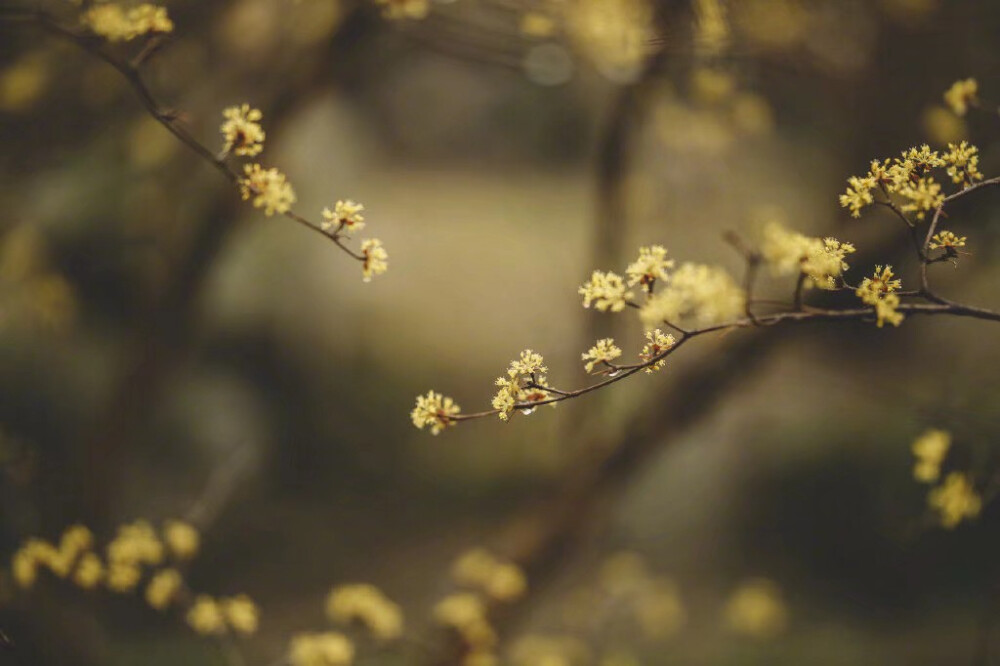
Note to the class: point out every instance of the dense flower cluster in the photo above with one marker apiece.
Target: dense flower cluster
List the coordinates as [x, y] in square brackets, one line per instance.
[606, 291]
[434, 410]
[878, 291]
[651, 266]
[480, 569]
[705, 295]
[946, 240]
[321, 649]
[821, 260]
[930, 450]
[118, 24]
[346, 216]
[961, 95]
[376, 259]
[657, 342]
[269, 188]
[367, 605]
[604, 352]
[955, 500]
[524, 384]
[242, 131]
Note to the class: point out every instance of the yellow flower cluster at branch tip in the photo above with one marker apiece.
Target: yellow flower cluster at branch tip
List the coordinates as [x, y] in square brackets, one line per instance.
[478, 568]
[214, 617]
[466, 614]
[205, 616]
[242, 614]
[924, 196]
[955, 500]
[878, 291]
[434, 410]
[268, 187]
[607, 291]
[961, 95]
[705, 295]
[930, 450]
[604, 351]
[651, 266]
[117, 24]
[962, 163]
[346, 215]
[365, 604]
[404, 9]
[73, 549]
[656, 343]
[182, 539]
[757, 610]
[326, 649]
[946, 240]
[241, 131]
[525, 383]
[376, 259]
[163, 588]
[907, 177]
[821, 260]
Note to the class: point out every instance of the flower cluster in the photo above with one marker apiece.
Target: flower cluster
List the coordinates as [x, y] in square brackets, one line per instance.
[705, 295]
[955, 500]
[607, 291]
[961, 95]
[878, 291]
[524, 384]
[657, 342]
[242, 131]
[118, 24]
[375, 260]
[962, 163]
[346, 216]
[480, 569]
[604, 352]
[651, 266]
[215, 617]
[930, 450]
[947, 241]
[434, 410]
[756, 609]
[367, 605]
[268, 187]
[321, 649]
[821, 260]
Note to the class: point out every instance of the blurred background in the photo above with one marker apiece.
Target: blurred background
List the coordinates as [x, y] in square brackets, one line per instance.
[168, 351]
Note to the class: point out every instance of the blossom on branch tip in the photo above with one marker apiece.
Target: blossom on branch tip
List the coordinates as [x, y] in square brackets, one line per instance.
[117, 24]
[524, 383]
[962, 162]
[705, 295]
[858, 194]
[651, 266]
[366, 604]
[604, 351]
[163, 588]
[242, 131]
[930, 450]
[925, 195]
[206, 617]
[375, 259]
[434, 410]
[946, 240]
[821, 260]
[268, 187]
[656, 343]
[326, 649]
[182, 539]
[878, 292]
[961, 95]
[345, 215]
[955, 500]
[242, 614]
[607, 291]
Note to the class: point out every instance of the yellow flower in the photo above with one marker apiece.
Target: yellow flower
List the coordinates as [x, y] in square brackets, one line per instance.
[136, 543]
[116, 24]
[241, 613]
[24, 568]
[367, 605]
[604, 351]
[822, 260]
[376, 258]
[961, 95]
[122, 576]
[466, 614]
[345, 215]
[404, 9]
[162, 588]
[930, 450]
[503, 581]
[242, 131]
[607, 291]
[656, 343]
[206, 617]
[878, 291]
[434, 410]
[946, 240]
[268, 187]
[704, 294]
[858, 194]
[756, 609]
[89, 571]
[523, 383]
[651, 266]
[181, 538]
[327, 649]
[955, 500]
[918, 161]
[962, 163]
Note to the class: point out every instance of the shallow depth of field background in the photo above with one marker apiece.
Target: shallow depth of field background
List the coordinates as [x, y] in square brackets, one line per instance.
[167, 348]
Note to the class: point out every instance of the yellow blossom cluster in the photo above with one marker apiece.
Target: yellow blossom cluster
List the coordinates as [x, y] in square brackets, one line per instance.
[955, 500]
[75, 542]
[375, 258]
[404, 9]
[241, 131]
[607, 291]
[209, 616]
[651, 266]
[367, 605]
[480, 569]
[961, 95]
[269, 188]
[821, 260]
[907, 178]
[703, 294]
[466, 614]
[118, 24]
[657, 342]
[756, 609]
[604, 351]
[878, 291]
[346, 216]
[524, 384]
[321, 649]
[930, 450]
[434, 410]
[947, 240]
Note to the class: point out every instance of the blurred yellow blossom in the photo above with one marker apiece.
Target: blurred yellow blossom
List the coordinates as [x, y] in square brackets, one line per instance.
[961, 95]
[955, 500]
[930, 450]
[756, 609]
[607, 291]
[162, 588]
[242, 131]
[268, 187]
[503, 581]
[366, 604]
[466, 614]
[23, 83]
[821, 260]
[122, 576]
[116, 24]
[181, 538]
[375, 258]
[659, 609]
[434, 410]
[206, 617]
[651, 266]
[241, 613]
[89, 571]
[942, 126]
[136, 543]
[706, 295]
[404, 9]
[346, 215]
[537, 24]
[326, 649]
[604, 351]
[878, 291]
[657, 342]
